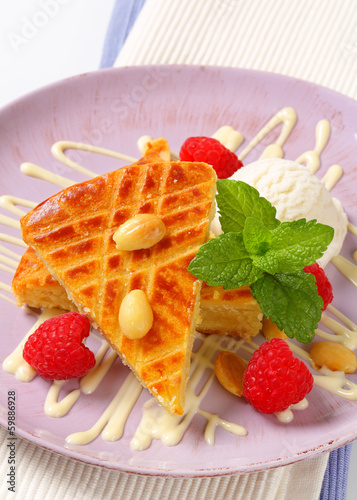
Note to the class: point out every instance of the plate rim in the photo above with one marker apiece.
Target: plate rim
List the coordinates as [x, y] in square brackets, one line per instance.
[197, 67]
[147, 471]
[188, 473]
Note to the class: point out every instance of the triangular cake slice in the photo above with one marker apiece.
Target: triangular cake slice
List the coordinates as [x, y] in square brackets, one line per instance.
[33, 284]
[72, 232]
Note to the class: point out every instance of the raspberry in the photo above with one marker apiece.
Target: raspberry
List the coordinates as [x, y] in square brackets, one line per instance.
[324, 287]
[211, 151]
[275, 379]
[55, 350]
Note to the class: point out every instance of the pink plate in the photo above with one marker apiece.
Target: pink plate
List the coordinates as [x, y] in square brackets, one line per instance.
[112, 109]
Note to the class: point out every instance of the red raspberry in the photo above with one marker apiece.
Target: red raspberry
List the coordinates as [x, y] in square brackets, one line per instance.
[275, 379]
[211, 151]
[324, 287]
[55, 350]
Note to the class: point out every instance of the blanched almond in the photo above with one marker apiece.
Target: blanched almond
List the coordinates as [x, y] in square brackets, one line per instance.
[141, 231]
[230, 370]
[334, 356]
[135, 315]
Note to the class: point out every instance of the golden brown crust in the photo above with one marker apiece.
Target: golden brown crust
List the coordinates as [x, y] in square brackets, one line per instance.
[34, 286]
[72, 233]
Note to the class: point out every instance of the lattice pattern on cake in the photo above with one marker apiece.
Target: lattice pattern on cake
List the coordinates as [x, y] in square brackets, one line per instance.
[72, 232]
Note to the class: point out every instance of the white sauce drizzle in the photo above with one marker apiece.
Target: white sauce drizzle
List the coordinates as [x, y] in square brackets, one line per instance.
[60, 147]
[156, 423]
[287, 117]
[287, 415]
[344, 334]
[11, 263]
[37, 172]
[229, 137]
[332, 176]
[58, 150]
[312, 158]
[352, 229]
[332, 381]
[88, 384]
[7, 299]
[12, 254]
[55, 408]
[92, 379]
[336, 383]
[15, 363]
[346, 268]
[11, 239]
[10, 203]
[10, 222]
[114, 417]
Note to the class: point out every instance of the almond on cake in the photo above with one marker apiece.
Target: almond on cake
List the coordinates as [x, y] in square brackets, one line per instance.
[222, 312]
[72, 233]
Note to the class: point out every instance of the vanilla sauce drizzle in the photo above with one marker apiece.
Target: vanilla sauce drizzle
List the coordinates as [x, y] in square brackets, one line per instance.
[156, 423]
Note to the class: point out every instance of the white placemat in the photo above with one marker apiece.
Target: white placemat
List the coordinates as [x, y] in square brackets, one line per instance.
[41, 474]
[315, 40]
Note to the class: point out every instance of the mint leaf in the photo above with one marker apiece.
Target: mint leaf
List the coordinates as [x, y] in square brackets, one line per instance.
[224, 261]
[292, 245]
[291, 301]
[258, 242]
[237, 200]
[256, 237]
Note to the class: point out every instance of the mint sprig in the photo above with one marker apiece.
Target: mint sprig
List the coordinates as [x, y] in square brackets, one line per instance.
[291, 301]
[289, 247]
[225, 261]
[237, 200]
[257, 249]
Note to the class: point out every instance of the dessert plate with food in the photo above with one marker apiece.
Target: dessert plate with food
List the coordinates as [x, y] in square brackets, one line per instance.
[177, 269]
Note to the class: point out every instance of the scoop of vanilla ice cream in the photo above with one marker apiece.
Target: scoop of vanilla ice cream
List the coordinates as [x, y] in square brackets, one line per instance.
[296, 194]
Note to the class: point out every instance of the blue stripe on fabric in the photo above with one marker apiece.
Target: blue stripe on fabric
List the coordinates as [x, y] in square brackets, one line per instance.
[334, 486]
[122, 20]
